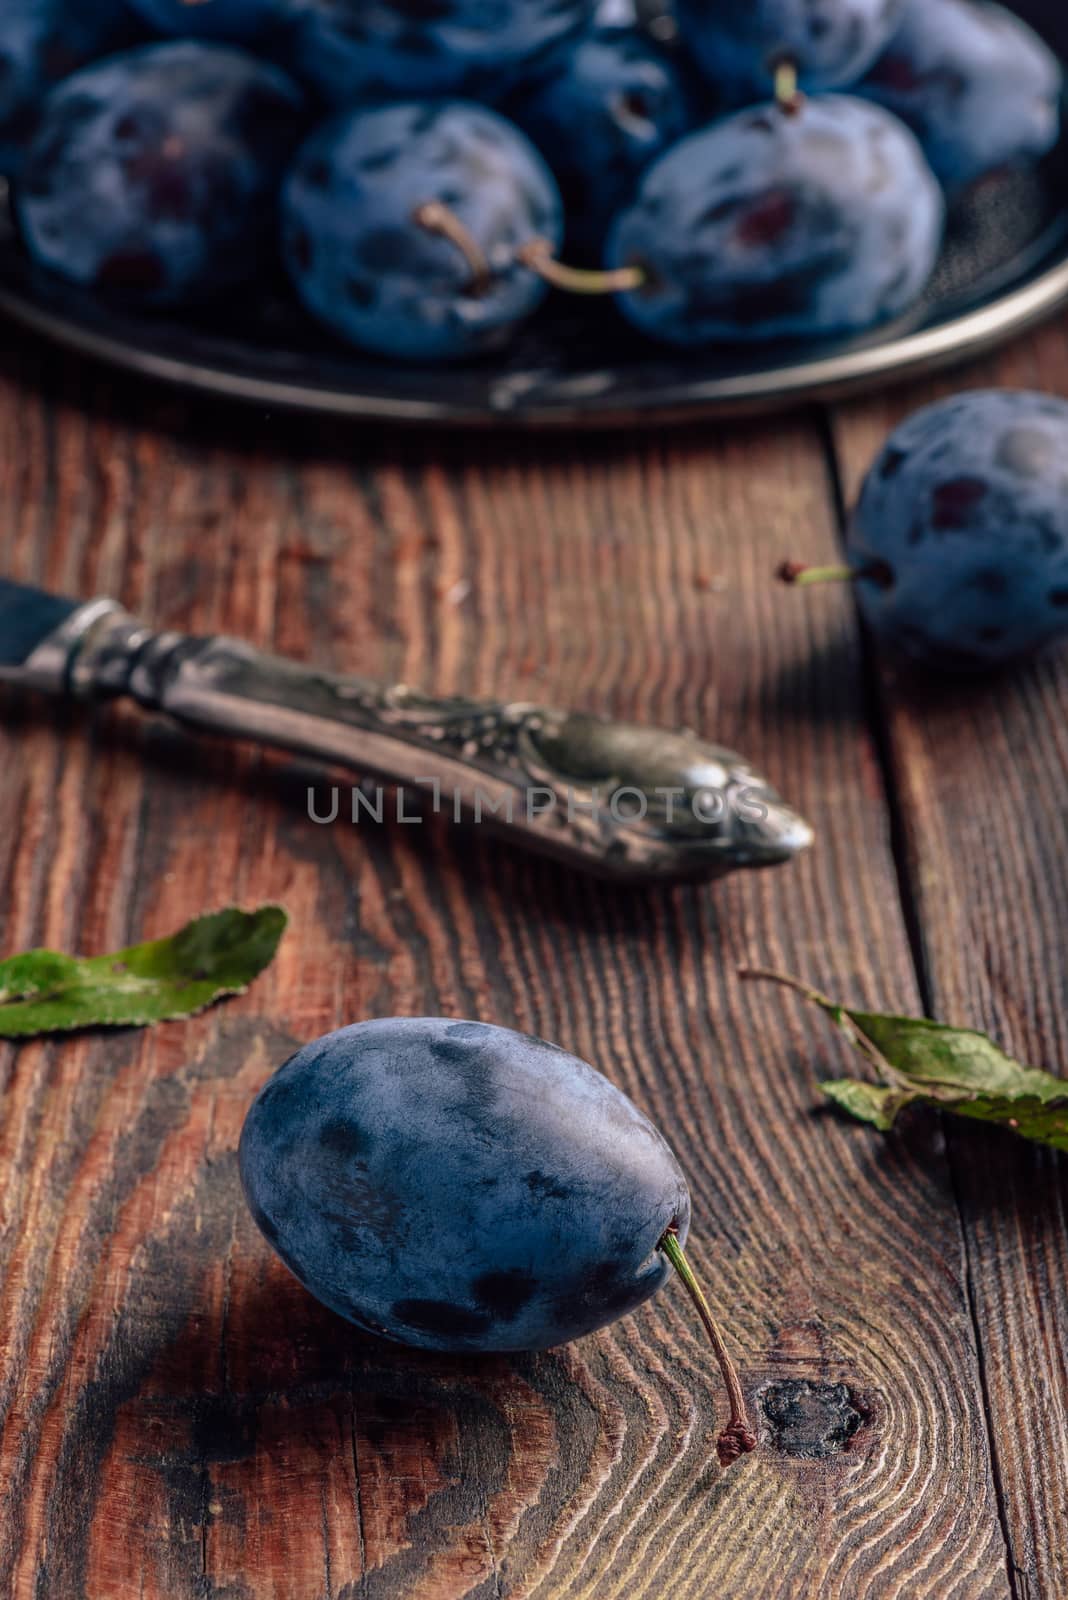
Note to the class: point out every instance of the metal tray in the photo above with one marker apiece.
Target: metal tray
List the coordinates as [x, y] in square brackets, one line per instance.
[1005, 267]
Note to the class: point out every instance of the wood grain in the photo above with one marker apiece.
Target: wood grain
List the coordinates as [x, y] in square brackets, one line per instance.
[981, 772]
[180, 1418]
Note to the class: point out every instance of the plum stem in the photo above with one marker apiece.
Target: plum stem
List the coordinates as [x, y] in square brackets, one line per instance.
[538, 257]
[788, 96]
[840, 1014]
[801, 577]
[433, 217]
[737, 1438]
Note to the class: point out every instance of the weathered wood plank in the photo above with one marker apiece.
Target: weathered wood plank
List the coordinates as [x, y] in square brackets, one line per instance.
[180, 1419]
[981, 772]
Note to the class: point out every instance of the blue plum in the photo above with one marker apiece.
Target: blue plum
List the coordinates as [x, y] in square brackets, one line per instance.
[977, 86]
[356, 50]
[616, 14]
[599, 117]
[365, 266]
[155, 173]
[460, 1187]
[241, 20]
[960, 537]
[739, 43]
[781, 223]
[42, 41]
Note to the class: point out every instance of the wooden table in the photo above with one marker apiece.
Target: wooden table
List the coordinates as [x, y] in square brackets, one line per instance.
[181, 1419]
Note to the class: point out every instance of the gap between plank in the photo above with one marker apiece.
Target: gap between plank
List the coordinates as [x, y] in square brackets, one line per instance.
[878, 724]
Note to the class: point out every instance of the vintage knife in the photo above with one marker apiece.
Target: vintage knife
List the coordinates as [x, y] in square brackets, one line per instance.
[623, 801]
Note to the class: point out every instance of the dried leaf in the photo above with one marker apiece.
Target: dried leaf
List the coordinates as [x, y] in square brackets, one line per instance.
[929, 1063]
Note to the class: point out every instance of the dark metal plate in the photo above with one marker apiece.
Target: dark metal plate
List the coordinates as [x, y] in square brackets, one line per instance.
[1005, 268]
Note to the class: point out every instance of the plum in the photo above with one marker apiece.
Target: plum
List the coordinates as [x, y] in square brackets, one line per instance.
[243, 20]
[459, 1187]
[739, 43]
[42, 41]
[616, 14]
[604, 112]
[401, 227]
[352, 51]
[979, 89]
[958, 547]
[154, 173]
[781, 221]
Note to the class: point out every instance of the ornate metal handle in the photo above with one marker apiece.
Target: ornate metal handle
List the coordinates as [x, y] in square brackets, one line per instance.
[617, 799]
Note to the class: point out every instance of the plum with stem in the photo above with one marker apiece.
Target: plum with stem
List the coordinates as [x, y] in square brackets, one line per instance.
[739, 44]
[402, 227]
[958, 548]
[460, 1187]
[800, 218]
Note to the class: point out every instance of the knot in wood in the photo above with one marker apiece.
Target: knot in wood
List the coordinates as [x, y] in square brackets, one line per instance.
[813, 1420]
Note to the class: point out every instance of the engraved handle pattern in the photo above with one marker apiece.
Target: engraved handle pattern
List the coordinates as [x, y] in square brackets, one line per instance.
[618, 799]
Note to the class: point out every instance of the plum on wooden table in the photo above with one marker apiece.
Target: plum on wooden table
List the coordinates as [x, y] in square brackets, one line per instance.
[960, 536]
[460, 1187]
[958, 548]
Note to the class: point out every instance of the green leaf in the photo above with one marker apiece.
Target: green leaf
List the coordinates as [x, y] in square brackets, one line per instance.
[38, 972]
[217, 955]
[928, 1063]
[868, 1102]
[958, 1058]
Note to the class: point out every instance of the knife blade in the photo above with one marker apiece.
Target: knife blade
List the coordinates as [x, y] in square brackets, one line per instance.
[621, 800]
[27, 617]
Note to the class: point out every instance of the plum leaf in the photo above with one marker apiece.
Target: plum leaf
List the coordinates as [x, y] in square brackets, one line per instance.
[929, 1063]
[220, 954]
[868, 1102]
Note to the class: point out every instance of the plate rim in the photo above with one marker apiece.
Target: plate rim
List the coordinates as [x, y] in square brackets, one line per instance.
[959, 339]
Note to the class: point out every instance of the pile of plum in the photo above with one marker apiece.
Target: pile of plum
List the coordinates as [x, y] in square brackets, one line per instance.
[771, 169]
